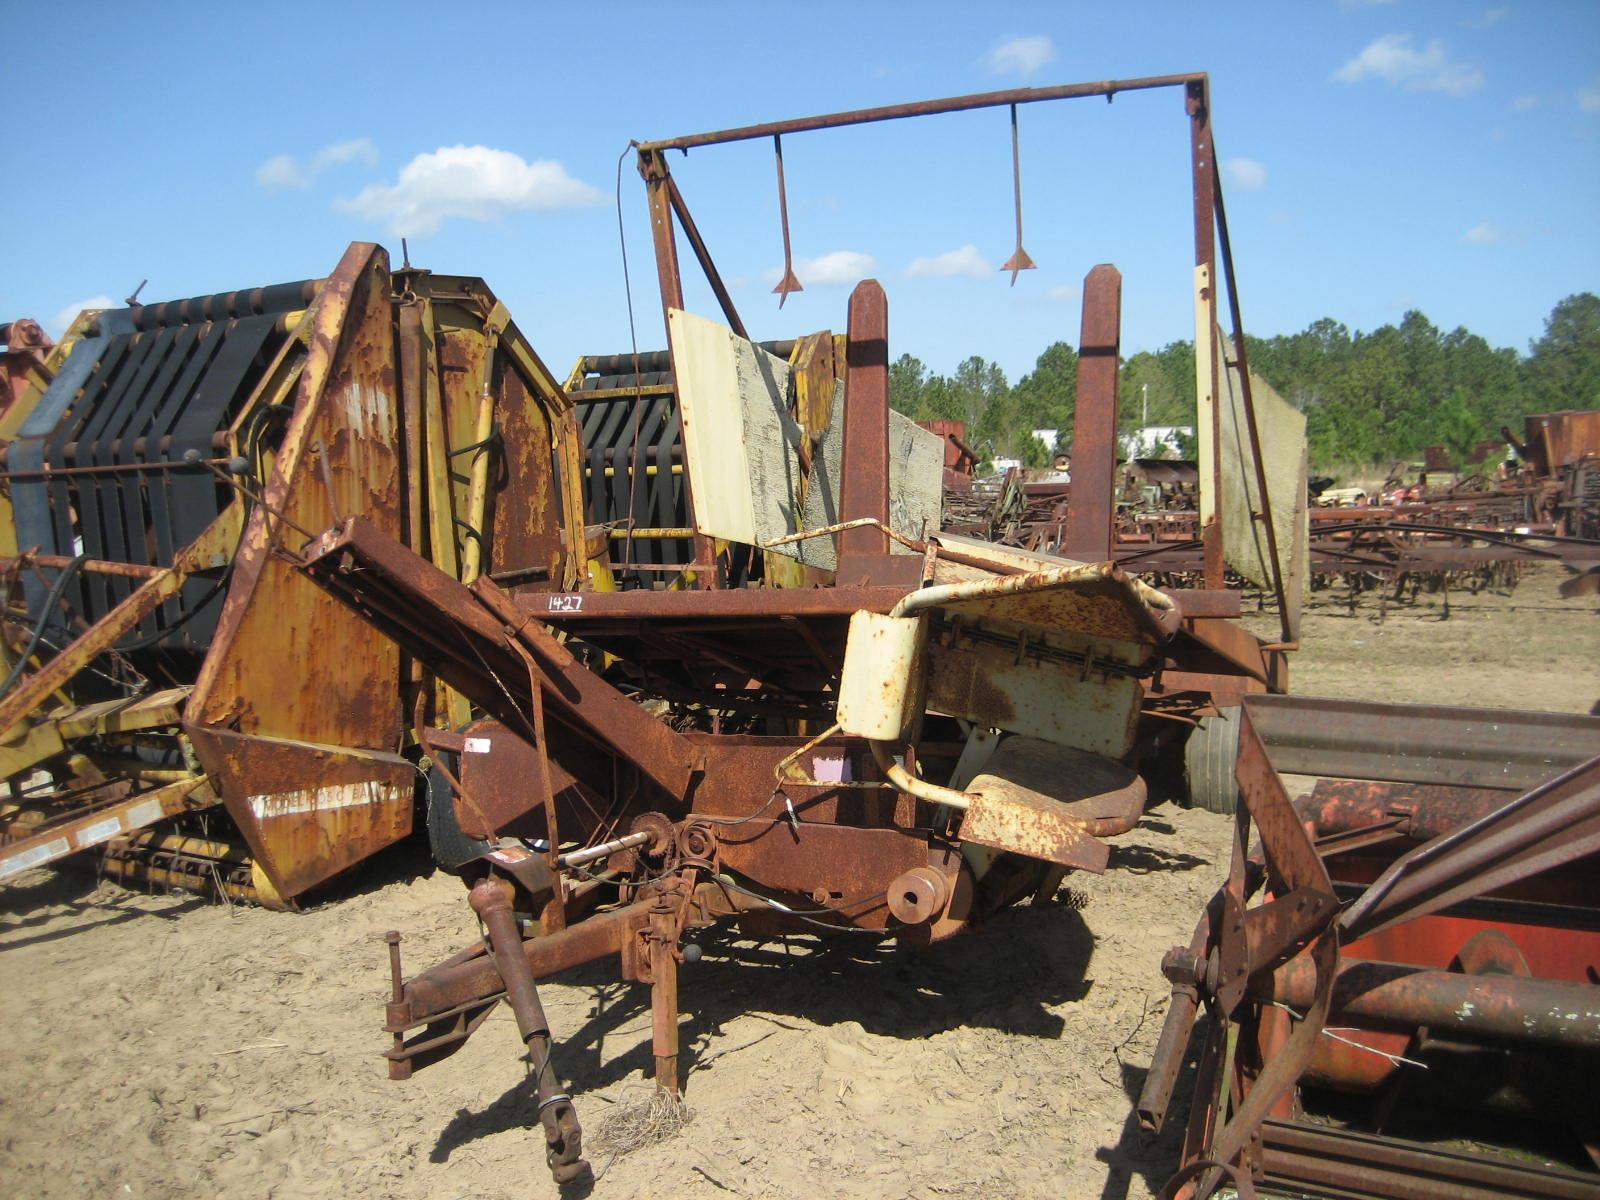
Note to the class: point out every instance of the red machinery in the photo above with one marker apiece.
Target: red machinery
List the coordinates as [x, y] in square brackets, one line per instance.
[1419, 935]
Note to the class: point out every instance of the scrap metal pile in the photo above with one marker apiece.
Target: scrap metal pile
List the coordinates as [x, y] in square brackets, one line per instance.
[1468, 535]
[680, 643]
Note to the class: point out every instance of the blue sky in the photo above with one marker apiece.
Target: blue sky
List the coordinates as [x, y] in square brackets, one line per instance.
[1379, 156]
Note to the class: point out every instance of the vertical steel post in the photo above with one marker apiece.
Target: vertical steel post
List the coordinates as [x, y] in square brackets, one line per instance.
[658, 187]
[1091, 509]
[664, 996]
[864, 482]
[1197, 101]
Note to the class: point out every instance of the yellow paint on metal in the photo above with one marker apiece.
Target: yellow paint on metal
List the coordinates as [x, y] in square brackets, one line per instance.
[1205, 333]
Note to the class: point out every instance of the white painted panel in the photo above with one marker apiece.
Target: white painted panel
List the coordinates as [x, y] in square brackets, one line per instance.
[35, 857]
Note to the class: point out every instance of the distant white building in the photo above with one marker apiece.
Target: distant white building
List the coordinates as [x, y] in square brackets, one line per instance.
[1049, 437]
[1156, 441]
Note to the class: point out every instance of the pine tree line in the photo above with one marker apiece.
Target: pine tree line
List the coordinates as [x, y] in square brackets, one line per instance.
[1368, 397]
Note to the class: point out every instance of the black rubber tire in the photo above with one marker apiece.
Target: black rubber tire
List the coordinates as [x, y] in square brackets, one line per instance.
[1209, 758]
[451, 848]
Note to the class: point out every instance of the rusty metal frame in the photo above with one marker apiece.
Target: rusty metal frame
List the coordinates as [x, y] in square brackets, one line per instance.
[1240, 1123]
[1210, 219]
[292, 698]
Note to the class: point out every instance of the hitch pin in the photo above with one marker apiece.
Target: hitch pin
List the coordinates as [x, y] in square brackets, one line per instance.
[398, 1013]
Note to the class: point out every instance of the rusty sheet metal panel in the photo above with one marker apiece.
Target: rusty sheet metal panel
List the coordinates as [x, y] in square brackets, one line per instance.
[532, 495]
[819, 857]
[740, 441]
[1282, 430]
[743, 450]
[1053, 654]
[1069, 690]
[496, 767]
[848, 840]
[525, 515]
[1053, 803]
[290, 663]
[882, 684]
[740, 778]
[310, 811]
[1555, 439]
[1094, 601]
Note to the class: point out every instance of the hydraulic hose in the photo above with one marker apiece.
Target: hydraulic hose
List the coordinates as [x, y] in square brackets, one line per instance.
[49, 607]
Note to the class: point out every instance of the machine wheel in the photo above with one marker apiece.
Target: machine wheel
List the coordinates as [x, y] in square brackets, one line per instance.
[451, 848]
[1209, 758]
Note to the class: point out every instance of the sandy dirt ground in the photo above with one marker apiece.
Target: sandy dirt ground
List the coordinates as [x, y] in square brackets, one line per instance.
[166, 1047]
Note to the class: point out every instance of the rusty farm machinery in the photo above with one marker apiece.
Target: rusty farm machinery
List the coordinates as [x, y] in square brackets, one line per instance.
[677, 643]
[1400, 980]
[832, 719]
[177, 696]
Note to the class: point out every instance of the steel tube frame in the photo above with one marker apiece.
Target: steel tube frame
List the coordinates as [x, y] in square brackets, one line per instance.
[923, 108]
[1209, 218]
[1552, 1012]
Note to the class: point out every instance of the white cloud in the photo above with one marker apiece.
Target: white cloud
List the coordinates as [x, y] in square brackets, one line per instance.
[1393, 59]
[476, 182]
[965, 261]
[1021, 55]
[58, 324]
[1485, 233]
[285, 171]
[282, 171]
[1064, 292]
[1487, 19]
[1524, 103]
[1246, 174]
[835, 269]
[361, 150]
[1589, 97]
